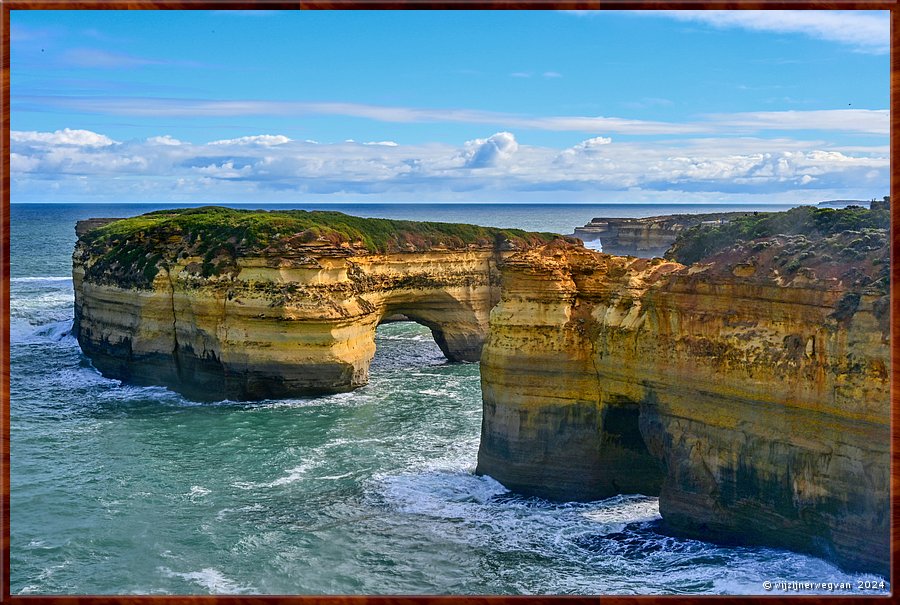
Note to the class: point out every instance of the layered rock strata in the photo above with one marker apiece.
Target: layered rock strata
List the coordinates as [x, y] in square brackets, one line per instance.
[752, 397]
[289, 319]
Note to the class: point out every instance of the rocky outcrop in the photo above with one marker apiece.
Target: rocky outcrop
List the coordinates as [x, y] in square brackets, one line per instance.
[751, 392]
[293, 315]
[646, 237]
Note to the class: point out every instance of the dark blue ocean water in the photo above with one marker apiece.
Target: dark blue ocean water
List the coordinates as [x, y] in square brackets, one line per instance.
[121, 489]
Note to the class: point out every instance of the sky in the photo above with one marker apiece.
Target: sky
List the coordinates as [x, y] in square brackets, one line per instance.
[455, 106]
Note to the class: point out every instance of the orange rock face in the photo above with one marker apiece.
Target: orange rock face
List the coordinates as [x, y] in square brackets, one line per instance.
[754, 401]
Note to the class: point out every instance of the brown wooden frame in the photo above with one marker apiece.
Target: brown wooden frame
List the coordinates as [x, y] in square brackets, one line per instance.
[8, 5]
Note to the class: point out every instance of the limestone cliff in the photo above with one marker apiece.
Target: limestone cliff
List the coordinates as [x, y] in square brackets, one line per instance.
[218, 303]
[750, 392]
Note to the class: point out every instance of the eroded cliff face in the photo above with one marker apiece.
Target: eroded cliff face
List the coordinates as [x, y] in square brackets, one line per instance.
[751, 396]
[292, 317]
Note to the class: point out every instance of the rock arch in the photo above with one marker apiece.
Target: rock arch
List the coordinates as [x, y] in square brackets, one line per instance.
[458, 324]
[280, 327]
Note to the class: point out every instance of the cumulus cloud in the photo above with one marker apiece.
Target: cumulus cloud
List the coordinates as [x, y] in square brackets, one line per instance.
[67, 136]
[483, 169]
[164, 140]
[592, 143]
[225, 170]
[22, 163]
[483, 153]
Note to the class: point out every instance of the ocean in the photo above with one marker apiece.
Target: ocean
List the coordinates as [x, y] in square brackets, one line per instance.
[117, 489]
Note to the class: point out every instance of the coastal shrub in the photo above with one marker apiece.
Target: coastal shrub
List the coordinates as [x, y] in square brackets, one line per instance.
[792, 266]
[151, 268]
[846, 306]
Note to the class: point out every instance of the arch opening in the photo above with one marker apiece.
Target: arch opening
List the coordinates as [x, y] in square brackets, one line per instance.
[459, 327]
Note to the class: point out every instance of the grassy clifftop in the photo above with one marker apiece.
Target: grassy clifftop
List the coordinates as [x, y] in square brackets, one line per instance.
[849, 244]
[849, 224]
[130, 250]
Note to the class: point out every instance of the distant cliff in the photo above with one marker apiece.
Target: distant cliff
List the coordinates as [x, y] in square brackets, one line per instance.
[220, 303]
[749, 391]
[646, 237]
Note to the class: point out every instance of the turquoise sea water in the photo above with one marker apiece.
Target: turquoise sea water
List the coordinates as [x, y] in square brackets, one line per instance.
[122, 489]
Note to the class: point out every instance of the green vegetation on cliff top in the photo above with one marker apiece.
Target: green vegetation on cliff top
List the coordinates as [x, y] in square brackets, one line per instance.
[850, 245]
[130, 250]
[852, 223]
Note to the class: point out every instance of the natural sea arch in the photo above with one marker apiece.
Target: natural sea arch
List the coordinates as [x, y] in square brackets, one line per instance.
[458, 322]
[458, 326]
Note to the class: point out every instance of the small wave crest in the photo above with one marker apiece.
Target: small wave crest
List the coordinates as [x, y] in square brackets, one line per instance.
[39, 278]
[55, 331]
[293, 475]
[210, 579]
[441, 494]
[197, 491]
[24, 332]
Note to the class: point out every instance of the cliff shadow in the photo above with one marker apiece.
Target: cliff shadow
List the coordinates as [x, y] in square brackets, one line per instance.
[589, 450]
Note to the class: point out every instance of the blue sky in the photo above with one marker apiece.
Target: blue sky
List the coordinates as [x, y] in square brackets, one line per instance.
[506, 106]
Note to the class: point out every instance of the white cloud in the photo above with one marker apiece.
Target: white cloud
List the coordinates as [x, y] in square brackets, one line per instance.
[164, 140]
[869, 121]
[483, 153]
[483, 169]
[22, 163]
[67, 136]
[260, 139]
[846, 120]
[226, 170]
[552, 74]
[593, 143]
[867, 31]
[382, 143]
